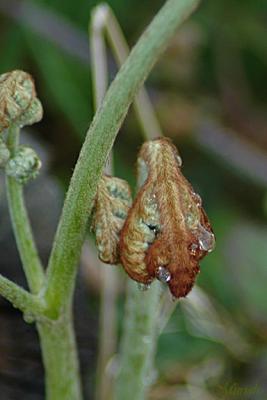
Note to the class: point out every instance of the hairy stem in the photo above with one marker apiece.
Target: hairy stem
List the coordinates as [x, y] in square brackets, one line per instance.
[107, 342]
[60, 358]
[138, 343]
[56, 337]
[104, 21]
[20, 298]
[131, 374]
[98, 143]
[109, 278]
[98, 56]
[21, 225]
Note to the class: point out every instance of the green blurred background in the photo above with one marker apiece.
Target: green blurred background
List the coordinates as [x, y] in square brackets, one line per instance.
[210, 94]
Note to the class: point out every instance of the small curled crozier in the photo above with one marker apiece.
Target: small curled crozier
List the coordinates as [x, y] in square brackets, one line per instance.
[24, 165]
[112, 204]
[166, 232]
[18, 102]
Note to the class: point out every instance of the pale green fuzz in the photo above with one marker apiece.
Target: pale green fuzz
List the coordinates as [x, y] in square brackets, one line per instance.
[142, 172]
[118, 192]
[111, 208]
[191, 219]
[12, 110]
[18, 102]
[120, 214]
[191, 211]
[206, 239]
[32, 115]
[4, 153]
[28, 85]
[24, 165]
[150, 223]
[151, 212]
[149, 234]
[21, 101]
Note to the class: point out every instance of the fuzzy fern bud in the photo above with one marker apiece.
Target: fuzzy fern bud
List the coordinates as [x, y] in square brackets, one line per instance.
[4, 153]
[24, 166]
[112, 204]
[166, 232]
[18, 102]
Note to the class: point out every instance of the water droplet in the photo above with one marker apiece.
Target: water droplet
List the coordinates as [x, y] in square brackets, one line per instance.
[193, 249]
[179, 161]
[153, 228]
[163, 274]
[143, 286]
[206, 239]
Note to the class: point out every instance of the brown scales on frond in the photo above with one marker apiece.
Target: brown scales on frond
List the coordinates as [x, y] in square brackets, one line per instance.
[166, 228]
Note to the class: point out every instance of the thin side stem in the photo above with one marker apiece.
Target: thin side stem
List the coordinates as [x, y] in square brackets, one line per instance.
[20, 298]
[21, 226]
[98, 143]
[109, 278]
[146, 315]
[99, 65]
[104, 21]
[107, 342]
[144, 110]
[56, 337]
[98, 56]
[138, 343]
